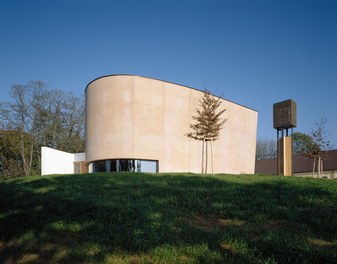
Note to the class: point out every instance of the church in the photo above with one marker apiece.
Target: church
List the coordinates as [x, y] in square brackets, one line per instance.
[140, 124]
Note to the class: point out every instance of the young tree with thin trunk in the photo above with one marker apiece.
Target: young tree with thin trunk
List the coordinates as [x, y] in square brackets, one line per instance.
[207, 126]
[318, 150]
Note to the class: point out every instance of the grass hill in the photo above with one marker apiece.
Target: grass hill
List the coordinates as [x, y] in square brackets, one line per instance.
[168, 218]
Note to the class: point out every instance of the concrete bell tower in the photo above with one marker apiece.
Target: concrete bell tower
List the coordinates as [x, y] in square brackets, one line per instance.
[285, 118]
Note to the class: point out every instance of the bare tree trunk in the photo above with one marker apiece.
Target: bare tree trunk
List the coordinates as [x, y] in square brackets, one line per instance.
[202, 156]
[212, 157]
[206, 157]
[319, 167]
[31, 153]
[313, 167]
[23, 156]
[22, 153]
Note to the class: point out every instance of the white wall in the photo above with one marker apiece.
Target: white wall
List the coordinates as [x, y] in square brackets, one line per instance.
[58, 162]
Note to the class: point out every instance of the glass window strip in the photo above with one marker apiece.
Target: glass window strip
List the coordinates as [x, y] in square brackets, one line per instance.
[128, 165]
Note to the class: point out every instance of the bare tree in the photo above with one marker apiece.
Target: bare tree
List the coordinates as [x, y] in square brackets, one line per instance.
[207, 126]
[318, 150]
[43, 117]
[61, 121]
[18, 115]
[266, 149]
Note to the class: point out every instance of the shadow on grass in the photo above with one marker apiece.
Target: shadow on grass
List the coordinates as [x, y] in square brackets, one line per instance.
[141, 218]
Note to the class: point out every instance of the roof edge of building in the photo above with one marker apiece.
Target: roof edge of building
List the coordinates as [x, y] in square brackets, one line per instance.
[156, 79]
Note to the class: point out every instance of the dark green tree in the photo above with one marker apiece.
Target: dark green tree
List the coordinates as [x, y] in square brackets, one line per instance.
[302, 143]
[208, 124]
[11, 164]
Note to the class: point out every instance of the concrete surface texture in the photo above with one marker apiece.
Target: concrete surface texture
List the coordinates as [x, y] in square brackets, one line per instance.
[133, 117]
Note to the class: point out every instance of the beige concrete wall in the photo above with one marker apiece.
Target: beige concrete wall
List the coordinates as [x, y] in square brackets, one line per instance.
[133, 117]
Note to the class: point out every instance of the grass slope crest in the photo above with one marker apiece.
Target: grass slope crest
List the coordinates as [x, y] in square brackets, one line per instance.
[167, 218]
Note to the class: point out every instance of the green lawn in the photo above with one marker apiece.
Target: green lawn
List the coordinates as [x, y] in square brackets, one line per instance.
[168, 218]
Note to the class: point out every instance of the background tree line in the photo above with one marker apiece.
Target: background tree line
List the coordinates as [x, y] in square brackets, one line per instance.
[37, 116]
[267, 148]
[313, 146]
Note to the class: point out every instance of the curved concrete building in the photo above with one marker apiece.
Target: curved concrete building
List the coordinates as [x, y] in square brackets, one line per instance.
[140, 124]
[136, 123]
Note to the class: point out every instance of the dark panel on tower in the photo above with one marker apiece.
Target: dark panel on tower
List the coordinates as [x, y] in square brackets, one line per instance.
[285, 114]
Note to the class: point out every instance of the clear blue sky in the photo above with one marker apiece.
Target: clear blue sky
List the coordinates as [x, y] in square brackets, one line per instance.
[253, 52]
